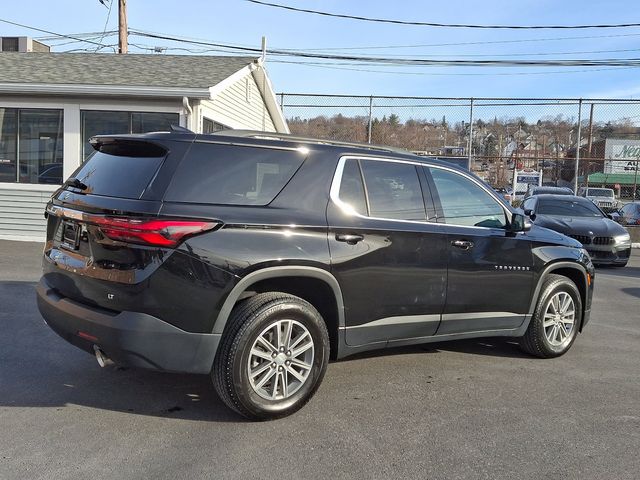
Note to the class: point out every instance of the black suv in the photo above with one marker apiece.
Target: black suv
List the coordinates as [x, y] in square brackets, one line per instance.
[255, 257]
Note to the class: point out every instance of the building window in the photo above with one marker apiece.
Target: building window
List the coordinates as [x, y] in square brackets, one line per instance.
[97, 122]
[209, 126]
[10, 44]
[31, 145]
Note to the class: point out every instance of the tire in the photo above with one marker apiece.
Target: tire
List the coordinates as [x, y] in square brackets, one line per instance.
[253, 324]
[620, 265]
[540, 339]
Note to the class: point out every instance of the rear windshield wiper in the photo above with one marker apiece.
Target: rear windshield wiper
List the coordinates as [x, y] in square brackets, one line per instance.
[74, 182]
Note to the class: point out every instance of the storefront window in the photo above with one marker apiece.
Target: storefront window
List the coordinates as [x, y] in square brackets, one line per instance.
[8, 144]
[31, 148]
[96, 122]
[209, 126]
[152, 122]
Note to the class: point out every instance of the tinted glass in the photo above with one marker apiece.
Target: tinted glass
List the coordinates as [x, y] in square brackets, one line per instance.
[568, 208]
[528, 204]
[352, 188]
[465, 203]
[393, 190]
[232, 175]
[551, 190]
[119, 175]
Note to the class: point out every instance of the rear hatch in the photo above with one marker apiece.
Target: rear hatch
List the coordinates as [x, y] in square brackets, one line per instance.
[105, 238]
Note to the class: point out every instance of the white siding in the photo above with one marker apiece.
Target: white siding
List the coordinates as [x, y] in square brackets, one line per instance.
[231, 107]
[22, 205]
[22, 213]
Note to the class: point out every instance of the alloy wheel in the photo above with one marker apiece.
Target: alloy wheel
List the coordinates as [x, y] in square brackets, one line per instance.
[559, 319]
[280, 360]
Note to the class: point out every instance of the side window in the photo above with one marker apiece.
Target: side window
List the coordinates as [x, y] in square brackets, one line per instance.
[528, 204]
[465, 203]
[352, 188]
[228, 175]
[393, 190]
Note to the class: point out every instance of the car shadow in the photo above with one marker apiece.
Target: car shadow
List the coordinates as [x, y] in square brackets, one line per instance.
[634, 292]
[39, 369]
[131, 391]
[633, 272]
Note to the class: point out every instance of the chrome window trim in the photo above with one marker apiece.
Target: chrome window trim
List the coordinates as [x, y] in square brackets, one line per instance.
[348, 210]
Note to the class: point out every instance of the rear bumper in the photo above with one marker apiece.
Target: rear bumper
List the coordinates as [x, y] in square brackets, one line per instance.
[128, 338]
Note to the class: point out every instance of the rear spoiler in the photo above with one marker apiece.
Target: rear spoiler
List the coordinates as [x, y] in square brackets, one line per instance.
[127, 147]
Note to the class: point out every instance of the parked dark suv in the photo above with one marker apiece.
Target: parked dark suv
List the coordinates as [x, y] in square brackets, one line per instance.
[255, 257]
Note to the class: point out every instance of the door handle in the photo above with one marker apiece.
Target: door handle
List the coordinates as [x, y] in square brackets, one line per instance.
[462, 244]
[349, 238]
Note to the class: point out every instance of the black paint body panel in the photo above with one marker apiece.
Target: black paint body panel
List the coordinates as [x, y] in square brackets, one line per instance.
[405, 276]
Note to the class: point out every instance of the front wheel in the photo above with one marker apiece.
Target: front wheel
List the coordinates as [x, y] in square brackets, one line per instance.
[273, 356]
[556, 320]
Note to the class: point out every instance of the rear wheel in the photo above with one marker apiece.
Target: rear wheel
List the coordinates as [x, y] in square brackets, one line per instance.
[556, 320]
[272, 357]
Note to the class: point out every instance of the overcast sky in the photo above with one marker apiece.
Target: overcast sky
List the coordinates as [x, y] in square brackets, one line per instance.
[242, 23]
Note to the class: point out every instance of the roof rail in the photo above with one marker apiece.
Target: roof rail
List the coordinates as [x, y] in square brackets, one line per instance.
[297, 138]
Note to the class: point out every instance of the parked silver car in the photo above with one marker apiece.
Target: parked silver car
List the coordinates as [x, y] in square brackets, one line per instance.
[603, 197]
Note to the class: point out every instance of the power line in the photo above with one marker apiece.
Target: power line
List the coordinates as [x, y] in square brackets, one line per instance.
[486, 42]
[445, 25]
[395, 72]
[106, 22]
[610, 62]
[521, 54]
[79, 41]
[47, 31]
[50, 38]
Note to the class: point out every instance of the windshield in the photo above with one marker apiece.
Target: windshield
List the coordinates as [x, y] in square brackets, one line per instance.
[568, 208]
[600, 192]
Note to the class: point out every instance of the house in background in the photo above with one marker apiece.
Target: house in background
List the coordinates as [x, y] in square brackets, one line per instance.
[52, 103]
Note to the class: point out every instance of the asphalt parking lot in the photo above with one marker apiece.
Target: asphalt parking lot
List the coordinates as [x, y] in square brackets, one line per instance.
[466, 409]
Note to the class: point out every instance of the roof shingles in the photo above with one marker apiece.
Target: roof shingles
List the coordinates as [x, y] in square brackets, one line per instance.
[188, 71]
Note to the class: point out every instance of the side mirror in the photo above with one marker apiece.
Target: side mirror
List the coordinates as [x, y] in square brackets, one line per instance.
[519, 223]
[529, 213]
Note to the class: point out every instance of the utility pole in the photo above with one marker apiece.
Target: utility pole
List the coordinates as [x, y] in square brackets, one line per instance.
[123, 44]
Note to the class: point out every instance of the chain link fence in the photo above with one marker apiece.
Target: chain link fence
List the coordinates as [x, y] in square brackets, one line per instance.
[574, 142]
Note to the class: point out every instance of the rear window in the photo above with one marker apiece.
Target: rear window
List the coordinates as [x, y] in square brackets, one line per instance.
[232, 175]
[600, 192]
[121, 170]
[568, 208]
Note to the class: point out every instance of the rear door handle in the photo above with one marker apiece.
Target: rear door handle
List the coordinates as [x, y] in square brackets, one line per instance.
[350, 238]
[462, 244]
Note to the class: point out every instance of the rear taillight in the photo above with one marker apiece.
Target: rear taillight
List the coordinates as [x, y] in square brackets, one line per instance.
[161, 233]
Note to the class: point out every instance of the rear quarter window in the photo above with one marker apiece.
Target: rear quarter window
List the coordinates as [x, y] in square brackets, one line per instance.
[121, 170]
[232, 175]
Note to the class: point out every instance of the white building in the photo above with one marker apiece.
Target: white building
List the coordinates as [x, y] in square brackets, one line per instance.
[52, 103]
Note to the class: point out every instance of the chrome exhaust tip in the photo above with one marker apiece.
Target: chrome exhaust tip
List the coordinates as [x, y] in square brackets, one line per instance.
[102, 359]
